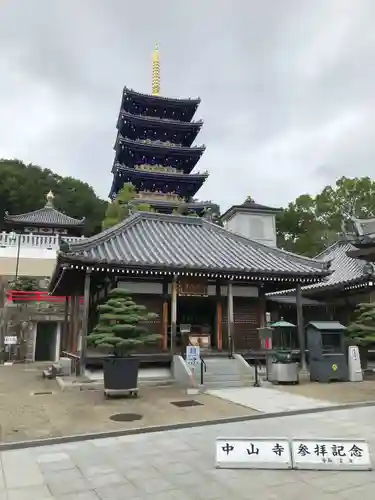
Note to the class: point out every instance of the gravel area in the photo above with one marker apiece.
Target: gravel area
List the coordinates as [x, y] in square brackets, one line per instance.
[25, 415]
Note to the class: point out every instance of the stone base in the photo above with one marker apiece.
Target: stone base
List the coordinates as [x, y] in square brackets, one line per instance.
[192, 391]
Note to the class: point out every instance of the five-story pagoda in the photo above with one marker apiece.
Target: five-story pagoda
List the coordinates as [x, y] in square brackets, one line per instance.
[154, 149]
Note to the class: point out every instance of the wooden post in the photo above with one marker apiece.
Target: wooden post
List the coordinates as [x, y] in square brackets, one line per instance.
[230, 319]
[85, 320]
[65, 330]
[300, 326]
[219, 318]
[71, 325]
[165, 325]
[74, 324]
[262, 307]
[173, 314]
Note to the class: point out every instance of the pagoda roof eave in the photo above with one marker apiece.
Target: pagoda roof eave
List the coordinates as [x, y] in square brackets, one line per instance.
[182, 102]
[162, 122]
[175, 204]
[170, 176]
[145, 146]
[207, 249]
[47, 216]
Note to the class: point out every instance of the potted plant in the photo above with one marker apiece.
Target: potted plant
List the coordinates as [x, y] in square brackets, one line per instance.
[121, 329]
[361, 332]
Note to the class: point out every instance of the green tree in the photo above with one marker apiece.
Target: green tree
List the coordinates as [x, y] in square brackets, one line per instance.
[122, 206]
[310, 224]
[23, 188]
[361, 331]
[121, 324]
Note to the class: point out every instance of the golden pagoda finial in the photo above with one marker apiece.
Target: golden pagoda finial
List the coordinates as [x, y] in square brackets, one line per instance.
[156, 71]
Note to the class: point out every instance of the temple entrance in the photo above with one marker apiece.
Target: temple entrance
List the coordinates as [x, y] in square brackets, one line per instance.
[200, 313]
[45, 342]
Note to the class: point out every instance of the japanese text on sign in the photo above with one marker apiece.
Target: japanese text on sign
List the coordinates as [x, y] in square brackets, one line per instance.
[331, 454]
[10, 340]
[192, 355]
[253, 453]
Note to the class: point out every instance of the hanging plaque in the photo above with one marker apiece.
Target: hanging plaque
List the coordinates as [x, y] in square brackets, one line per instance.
[197, 288]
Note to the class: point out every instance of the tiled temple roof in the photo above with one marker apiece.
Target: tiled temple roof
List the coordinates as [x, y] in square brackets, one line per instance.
[171, 241]
[345, 269]
[46, 216]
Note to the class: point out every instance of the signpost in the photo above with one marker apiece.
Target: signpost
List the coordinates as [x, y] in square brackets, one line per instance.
[10, 340]
[331, 454]
[253, 453]
[301, 454]
[193, 358]
[354, 365]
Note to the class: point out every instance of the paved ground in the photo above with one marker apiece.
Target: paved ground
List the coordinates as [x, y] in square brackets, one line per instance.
[268, 399]
[345, 392]
[178, 465]
[25, 416]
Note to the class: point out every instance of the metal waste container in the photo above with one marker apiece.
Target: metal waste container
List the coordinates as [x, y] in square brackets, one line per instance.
[284, 369]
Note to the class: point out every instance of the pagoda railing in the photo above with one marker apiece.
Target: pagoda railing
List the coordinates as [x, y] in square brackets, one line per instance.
[48, 241]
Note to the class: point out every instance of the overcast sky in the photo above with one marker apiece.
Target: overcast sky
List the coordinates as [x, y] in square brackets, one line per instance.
[287, 86]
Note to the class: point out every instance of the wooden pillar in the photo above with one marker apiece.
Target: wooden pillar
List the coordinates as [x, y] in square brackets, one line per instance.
[173, 314]
[70, 346]
[230, 319]
[85, 320]
[65, 329]
[301, 326]
[219, 318]
[73, 323]
[165, 321]
[262, 309]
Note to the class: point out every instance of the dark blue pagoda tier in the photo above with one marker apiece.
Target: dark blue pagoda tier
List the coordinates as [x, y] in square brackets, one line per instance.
[152, 179]
[132, 153]
[158, 129]
[154, 151]
[136, 103]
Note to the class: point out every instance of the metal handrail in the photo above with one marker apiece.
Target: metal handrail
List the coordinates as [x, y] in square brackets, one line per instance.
[203, 370]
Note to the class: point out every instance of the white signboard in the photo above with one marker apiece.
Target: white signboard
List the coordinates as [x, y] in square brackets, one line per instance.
[354, 364]
[330, 454]
[193, 355]
[253, 453]
[10, 340]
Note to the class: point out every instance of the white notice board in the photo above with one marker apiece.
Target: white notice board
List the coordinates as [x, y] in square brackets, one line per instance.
[331, 454]
[193, 355]
[253, 453]
[10, 340]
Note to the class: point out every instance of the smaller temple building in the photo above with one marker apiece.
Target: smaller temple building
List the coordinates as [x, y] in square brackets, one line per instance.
[188, 271]
[28, 251]
[352, 281]
[29, 242]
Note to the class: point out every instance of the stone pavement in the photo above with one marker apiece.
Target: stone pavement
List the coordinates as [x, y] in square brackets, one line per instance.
[268, 399]
[179, 465]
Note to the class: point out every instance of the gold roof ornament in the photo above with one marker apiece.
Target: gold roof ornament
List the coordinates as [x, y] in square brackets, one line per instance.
[156, 71]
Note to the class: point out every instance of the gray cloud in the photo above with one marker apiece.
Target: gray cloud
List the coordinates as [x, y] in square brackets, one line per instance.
[287, 86]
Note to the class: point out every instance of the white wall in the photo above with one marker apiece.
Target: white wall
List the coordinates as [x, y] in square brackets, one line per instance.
[257, 226]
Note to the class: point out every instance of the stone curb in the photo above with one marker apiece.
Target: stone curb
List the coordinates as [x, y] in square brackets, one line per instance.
[170, 427]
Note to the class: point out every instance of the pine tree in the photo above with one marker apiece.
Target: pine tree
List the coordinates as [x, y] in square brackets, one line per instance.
[120, 324]
[362, 330]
